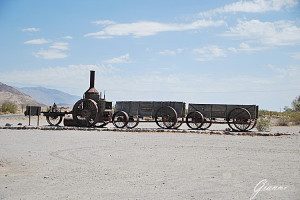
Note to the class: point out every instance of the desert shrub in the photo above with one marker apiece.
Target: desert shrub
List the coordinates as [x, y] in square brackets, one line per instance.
[296, 104]
[295, 118]
[263, 124]
[9, 107]
[283, 120]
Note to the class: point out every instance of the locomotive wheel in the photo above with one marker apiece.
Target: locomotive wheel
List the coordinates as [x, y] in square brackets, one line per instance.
[178, 124]
[206, 124]
[166, 117]
[120, 119]
[54, 121]
[85, 112]
[241, 118]
[194, 120]
[133, 121]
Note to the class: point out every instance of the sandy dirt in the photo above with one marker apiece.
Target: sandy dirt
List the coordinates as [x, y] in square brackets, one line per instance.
[39, 164]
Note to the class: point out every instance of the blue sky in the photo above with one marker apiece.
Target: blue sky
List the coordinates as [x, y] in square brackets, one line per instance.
[233, 52]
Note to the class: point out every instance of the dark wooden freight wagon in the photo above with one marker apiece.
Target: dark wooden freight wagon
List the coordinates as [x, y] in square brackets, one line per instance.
[238, 117]
[166, 114]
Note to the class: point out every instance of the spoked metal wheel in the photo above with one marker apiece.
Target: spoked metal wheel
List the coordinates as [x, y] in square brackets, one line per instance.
[120, 119]
[206, 124]
[194, 120]
[133, 121]
[253, 124]
[54, 120]
[240, 118]
[85, 112]
[179, 123]
[166, 117]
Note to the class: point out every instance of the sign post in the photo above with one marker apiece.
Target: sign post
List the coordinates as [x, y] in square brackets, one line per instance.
[33, 111]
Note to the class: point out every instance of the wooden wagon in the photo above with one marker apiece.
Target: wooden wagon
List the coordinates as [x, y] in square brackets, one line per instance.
[238, 117]
[166, 114]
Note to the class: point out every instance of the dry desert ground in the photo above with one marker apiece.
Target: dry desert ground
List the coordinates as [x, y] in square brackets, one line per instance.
[70, 164]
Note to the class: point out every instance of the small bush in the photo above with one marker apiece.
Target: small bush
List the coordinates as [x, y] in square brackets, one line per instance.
[9, 107]
[263, 124]
[295, 118]
[283, 121]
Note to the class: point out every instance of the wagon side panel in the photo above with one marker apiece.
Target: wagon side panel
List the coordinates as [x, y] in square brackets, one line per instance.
[221, 110]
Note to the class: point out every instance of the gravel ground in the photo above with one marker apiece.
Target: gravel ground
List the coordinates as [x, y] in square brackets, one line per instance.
[39, 164]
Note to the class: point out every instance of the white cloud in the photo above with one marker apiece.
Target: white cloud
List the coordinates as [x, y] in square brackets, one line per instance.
[68, 37]
[57, 50]
[296, 55]
[60, 46]
[103, 22]
[118, 60]
[290, 71]
[209, 53]
[168, 52]
[268, 33]
[244, 47]
[50, 54]
[252, 6]
[147, 28]
[37, 41]
[31, 29]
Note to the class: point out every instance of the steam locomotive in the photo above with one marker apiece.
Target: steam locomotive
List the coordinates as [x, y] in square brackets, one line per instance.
[93, 110]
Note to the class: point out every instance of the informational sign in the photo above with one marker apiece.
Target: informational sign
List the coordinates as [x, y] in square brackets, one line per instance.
[33, 111]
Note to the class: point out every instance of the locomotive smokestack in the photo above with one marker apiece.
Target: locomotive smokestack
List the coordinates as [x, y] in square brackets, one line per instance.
[92, 93]
[92, 79]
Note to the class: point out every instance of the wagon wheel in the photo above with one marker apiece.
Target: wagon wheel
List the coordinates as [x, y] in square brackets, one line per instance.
[206, 124]
[241, 118]
[133, 121]
[166, 117]
[120, 119]
[54, 121]
[85, 112]
[253, 124]
[179, 123]
[194, 120]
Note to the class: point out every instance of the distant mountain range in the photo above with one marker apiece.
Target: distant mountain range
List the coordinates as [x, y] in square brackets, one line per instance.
[11, 94]
[49, 96]
[35, 96]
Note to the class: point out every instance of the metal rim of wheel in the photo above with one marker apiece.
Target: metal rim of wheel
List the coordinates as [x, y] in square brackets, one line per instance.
[120, 119]
[179, 123]
[54, 121]
[133, 121]
[241, 119]
[85, 112]
[253, 122]
[206, 124]
[166, 117]
[194, 120]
